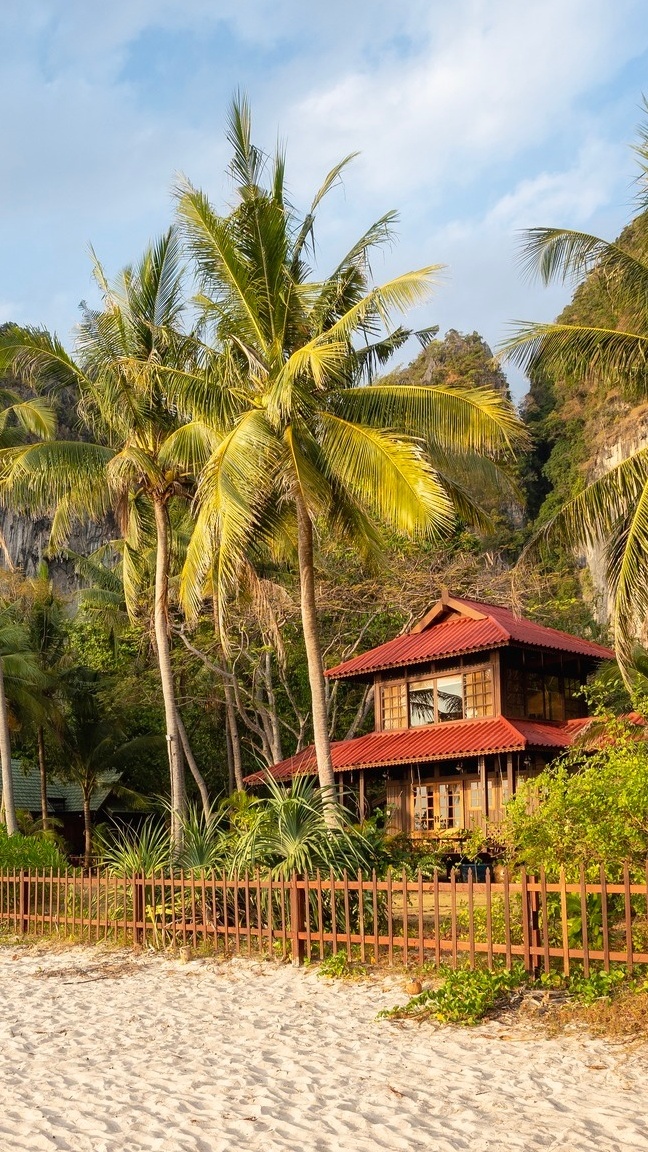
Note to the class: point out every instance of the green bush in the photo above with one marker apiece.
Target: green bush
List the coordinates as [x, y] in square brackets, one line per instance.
[20, 851]
[465, 996]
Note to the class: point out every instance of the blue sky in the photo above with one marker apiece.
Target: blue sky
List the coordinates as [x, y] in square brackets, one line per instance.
[474, 118]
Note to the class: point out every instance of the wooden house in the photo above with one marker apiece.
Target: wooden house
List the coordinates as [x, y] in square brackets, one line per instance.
[468, 703]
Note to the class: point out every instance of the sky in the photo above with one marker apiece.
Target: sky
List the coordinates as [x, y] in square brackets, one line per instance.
[475, 119]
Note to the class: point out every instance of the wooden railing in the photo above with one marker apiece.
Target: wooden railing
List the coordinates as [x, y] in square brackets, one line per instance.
[396, 920]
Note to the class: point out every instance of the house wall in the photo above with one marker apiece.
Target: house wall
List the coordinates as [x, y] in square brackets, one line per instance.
[426, 799]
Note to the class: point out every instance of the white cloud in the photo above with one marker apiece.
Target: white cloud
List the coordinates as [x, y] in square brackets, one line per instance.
[469, 116]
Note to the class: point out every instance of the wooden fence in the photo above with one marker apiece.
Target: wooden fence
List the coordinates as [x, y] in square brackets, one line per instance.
[395, 920]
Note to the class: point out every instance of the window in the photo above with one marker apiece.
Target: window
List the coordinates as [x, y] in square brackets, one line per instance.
[476, 794]
[554, 699]
[535, 708]
[450, 805]
[574, 700]
[478, 693]
[423, 808]
[453, 697]
[421, 703]
[450, 698]
[393, 704]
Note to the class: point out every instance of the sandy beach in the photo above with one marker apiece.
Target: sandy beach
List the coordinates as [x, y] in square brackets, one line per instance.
[110, 1052]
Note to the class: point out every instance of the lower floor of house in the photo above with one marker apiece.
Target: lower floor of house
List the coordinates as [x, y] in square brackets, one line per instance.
[424, 800]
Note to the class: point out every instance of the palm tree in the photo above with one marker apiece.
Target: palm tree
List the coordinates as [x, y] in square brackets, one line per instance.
[21, 681]
[303, 438]
[129, 467]
[94, 745]
[614, 507]
[45, 615]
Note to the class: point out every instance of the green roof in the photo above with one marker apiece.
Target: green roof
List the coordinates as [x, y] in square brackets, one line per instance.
[61, 797]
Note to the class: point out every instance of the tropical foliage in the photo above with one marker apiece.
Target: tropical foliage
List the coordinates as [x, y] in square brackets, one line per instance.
[612, 509]
[589, 809]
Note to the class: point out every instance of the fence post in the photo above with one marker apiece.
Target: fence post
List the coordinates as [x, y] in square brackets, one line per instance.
[139, 922]
[24, 903]
[534, 926]
[297, 920]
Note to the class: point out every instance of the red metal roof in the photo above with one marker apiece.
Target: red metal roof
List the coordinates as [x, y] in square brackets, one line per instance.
[434, 742]
[461, 634]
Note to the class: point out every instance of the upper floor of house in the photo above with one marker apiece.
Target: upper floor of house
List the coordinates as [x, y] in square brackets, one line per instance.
[467, 660]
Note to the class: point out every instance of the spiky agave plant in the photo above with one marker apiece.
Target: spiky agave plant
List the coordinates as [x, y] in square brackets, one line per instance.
[290, 833]
[204, 845]
[126, 851]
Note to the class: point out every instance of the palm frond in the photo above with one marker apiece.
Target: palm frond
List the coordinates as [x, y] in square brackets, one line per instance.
[388, 474]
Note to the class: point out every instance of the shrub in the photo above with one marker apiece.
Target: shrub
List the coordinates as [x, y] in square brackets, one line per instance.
[20, 851]
[464, 997]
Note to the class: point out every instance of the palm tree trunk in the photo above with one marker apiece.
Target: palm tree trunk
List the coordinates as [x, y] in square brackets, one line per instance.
[195, 771]
[87, 831]
[231, 781]
[235, 739]
[5, 757]
[42, 765]
[314, 654]
[174, 745]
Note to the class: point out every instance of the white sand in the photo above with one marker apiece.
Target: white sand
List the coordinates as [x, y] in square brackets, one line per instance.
[102, 1052]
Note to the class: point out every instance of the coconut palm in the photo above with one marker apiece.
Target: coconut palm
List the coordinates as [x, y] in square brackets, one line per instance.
[612, 509]
[127, 469]
[95, 747]
[45, 617]
[21, 683]
[305, 439]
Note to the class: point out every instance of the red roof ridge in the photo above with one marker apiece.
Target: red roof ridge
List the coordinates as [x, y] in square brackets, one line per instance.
[430, 639]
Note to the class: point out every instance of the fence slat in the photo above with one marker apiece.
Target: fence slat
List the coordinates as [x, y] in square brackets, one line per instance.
[584, 925]
[545, 921]
[405, 917]
[333, 912]
[347, 916]
[376, 922]
[604, 919]
[390, 917]
[507, 919]
[471, 919]
[361, 927]
[489, 919]
[453, 916]
[628, 915]
[320, 915]
[563, 922]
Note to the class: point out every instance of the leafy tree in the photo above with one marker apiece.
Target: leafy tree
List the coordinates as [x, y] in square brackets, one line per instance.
[21, 682]
[47, 623]
[94, 744]
[590, 808]
[129, 467]
[613, 508]
[305, 439]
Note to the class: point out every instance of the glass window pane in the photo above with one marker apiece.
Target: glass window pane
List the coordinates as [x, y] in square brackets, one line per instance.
[478, 693]
[555, 700]
[450, 698]
[421, 703]
[393, 699]
[450, 805]
[535, 696]
[423, 808]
